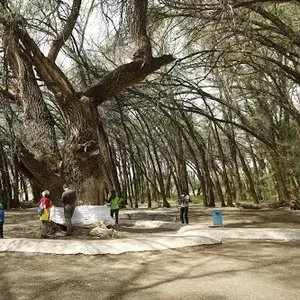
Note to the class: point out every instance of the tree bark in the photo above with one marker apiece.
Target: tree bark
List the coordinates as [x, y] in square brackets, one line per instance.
[39, 135]
[87, 164]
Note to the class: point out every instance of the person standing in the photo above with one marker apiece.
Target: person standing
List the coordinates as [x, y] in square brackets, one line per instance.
[114, 202]
[68, 199]
[184, 207]
[45, 202]
[2, 217]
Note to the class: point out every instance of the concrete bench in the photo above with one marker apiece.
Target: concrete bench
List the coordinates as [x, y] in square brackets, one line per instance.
[152, 214]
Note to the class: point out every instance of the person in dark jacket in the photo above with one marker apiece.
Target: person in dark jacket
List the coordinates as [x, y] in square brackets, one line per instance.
[184, 207]
[2, 217]
[68, 199]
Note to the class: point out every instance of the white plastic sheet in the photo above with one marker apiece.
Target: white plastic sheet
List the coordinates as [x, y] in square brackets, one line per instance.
[84, 215]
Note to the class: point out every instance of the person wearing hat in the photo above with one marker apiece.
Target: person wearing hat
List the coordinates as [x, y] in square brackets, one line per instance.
[2, 216]
[114, 202]
[45, 203]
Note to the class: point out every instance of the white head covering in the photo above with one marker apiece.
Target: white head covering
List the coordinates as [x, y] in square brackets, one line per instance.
[45, 193]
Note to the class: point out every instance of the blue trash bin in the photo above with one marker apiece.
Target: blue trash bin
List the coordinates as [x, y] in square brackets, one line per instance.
[217, 218]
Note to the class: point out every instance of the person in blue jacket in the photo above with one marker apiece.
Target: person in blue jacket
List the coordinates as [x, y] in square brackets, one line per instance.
[2, 216]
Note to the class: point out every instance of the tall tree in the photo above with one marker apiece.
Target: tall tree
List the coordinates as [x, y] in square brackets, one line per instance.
[84, 161]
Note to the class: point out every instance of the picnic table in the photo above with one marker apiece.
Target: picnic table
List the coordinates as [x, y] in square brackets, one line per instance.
[152, 214]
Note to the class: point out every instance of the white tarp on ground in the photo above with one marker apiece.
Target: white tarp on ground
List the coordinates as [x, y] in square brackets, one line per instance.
[84, 215]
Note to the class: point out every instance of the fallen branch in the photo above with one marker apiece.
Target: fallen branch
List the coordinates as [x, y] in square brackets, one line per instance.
[248, 205]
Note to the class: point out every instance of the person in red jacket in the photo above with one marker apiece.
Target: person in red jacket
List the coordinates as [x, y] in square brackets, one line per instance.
[45, 202]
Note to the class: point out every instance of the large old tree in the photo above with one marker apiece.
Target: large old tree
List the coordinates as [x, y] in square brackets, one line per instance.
[84, 161]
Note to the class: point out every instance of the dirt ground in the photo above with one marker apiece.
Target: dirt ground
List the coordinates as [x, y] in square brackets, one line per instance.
[235, 269]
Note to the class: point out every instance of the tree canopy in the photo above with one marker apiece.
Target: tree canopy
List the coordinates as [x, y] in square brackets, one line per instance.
[151, 98]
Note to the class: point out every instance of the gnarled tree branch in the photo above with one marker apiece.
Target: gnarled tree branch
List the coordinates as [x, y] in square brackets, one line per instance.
[139, 32]
[50, 73]
[122, 77]
[66, 32]
[37, 171]
[8, 94]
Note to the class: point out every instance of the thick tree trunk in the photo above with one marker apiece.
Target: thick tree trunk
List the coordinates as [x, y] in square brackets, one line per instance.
[87, 164]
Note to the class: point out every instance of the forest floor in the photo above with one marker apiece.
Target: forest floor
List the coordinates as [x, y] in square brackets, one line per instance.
[235, 269]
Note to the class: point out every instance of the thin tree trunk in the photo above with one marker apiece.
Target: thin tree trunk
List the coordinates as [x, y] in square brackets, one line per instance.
[6, 187]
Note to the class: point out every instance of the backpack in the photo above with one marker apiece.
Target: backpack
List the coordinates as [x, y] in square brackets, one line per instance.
[40, 209]
[1, 216]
